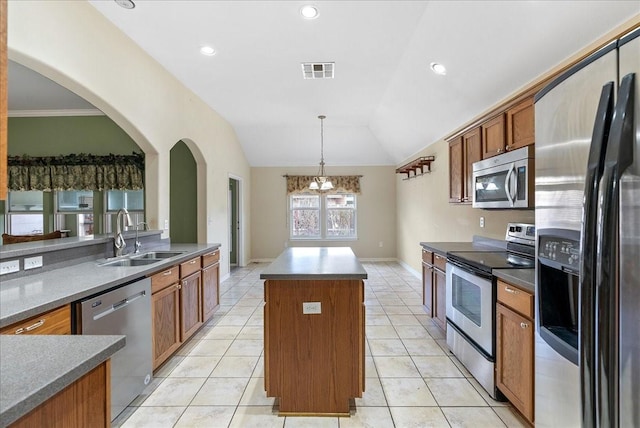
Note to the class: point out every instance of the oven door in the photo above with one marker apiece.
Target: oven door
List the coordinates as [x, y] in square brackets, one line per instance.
[470, 305]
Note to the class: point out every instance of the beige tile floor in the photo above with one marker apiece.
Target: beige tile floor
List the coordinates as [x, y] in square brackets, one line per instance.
[217, 378]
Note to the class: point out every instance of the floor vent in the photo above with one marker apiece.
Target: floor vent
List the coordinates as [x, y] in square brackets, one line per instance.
[318, 70]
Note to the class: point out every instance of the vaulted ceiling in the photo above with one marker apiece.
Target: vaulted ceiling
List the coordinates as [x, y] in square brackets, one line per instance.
[384, 103]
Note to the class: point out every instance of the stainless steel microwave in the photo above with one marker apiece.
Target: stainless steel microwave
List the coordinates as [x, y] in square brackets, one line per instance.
[505, 181]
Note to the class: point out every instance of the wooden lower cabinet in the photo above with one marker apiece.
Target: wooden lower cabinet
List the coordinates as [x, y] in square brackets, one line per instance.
[427, 288]
[515, 350]
[165, 323]
[440, 298]
[210, 290]
[57, 321]
[84, 403]
[190, 305]
[185, 296]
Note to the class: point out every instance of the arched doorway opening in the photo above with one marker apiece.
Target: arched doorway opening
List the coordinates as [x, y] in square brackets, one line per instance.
[183, 195]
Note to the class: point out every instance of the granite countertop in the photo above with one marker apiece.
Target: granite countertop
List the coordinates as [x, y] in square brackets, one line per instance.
[35, 368]
[315, 263]
[443, 248]
[37, 247]
[31, 295]
[523, 278]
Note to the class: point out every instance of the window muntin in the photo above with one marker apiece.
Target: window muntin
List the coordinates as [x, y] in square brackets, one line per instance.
[330, 216]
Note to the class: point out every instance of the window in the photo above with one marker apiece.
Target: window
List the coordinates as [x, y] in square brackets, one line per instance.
[24, 213]
[331, 216]
[131, 200]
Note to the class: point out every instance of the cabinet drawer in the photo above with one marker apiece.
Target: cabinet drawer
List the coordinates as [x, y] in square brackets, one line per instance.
[57, 321]
[162, 280]
[210, 258]
[427, 257]
[440, 262]
[515, 298]
[189, 267]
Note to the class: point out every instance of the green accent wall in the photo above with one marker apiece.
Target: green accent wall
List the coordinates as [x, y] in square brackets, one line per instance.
[63, 135]
[183, 214]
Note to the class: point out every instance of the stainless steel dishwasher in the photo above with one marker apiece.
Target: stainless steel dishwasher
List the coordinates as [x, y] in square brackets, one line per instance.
[125, 310]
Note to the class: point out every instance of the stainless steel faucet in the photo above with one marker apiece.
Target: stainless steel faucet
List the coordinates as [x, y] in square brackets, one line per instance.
[119, 243]
[138, 244]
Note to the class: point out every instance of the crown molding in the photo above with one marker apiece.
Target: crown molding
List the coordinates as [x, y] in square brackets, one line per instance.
[54, 113]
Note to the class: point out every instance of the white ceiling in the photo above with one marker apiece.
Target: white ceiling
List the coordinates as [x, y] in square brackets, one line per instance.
[384, 104]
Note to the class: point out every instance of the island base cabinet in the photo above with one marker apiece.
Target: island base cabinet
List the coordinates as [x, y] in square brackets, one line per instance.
[314, 362]
[84, 403]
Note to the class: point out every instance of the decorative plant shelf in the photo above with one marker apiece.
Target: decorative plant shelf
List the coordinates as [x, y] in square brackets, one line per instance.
[422, 164]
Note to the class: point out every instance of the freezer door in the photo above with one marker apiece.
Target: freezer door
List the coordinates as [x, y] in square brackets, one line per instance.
[629, 272]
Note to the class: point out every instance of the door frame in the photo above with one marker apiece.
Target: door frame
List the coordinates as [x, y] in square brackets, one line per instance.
[240, 211]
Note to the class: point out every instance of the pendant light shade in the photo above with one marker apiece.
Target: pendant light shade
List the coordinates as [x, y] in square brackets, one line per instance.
[321, 181]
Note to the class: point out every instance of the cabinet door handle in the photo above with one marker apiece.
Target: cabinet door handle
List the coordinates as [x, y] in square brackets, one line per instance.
[31, 327]
[507, 148]
[500, 150]
[166, 273]
[192, 262]
[510, 290]
[178, 286]
[524, 325]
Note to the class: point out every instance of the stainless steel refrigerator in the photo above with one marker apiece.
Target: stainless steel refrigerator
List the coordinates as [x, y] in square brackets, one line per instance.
[587, 193]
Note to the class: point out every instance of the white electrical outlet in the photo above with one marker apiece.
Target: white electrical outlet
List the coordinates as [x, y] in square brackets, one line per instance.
[9, 267]
[166, 225]
[32, 262]
[311, 308]
[481, 221]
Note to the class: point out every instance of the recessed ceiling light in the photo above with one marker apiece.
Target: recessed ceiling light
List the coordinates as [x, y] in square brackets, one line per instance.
[438, 68]
[309, 12]
[207, 50]
[127, 4]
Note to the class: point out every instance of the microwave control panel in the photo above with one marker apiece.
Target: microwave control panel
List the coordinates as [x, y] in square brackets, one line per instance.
[560, 250]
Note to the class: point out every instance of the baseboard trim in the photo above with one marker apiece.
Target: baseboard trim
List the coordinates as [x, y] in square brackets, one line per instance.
[378, 259]
[261, 260]
[410, 269]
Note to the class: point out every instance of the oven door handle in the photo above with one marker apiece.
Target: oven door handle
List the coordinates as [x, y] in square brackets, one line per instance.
[470, 269]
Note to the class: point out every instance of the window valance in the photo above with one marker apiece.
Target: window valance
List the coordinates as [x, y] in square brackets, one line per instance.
[341, 184]
[76, 172]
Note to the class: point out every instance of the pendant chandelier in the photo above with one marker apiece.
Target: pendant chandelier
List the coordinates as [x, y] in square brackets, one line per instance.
[321, 181]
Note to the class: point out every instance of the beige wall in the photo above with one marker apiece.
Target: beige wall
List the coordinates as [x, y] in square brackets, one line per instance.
[71, 43]
[424, 213]
[376, 211]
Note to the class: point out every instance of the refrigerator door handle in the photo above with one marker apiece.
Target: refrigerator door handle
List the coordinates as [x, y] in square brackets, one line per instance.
[618, 158]
[588, 236]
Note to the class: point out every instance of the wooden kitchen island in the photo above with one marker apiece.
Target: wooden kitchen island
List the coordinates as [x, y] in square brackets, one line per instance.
[314, 330]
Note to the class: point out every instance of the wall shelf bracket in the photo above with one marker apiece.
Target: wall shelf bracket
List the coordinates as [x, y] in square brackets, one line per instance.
[416, 167]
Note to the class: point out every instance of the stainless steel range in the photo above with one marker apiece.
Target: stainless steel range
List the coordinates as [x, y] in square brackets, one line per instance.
[471, 300]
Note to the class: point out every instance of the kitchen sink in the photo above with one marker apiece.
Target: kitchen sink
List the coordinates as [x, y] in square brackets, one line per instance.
[158, 255]
[129, 262]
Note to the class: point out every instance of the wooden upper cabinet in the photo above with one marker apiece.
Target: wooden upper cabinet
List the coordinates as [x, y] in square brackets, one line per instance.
[3, 100]
[493, 137]
[472, 152]
[521, 125]
[456, 170]
[463, 152]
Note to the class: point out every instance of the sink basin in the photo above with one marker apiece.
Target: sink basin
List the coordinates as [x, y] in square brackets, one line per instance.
[158, 255]
[130, 262]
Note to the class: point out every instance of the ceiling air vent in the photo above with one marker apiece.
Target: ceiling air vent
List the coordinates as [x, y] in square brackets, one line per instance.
[318, 70]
